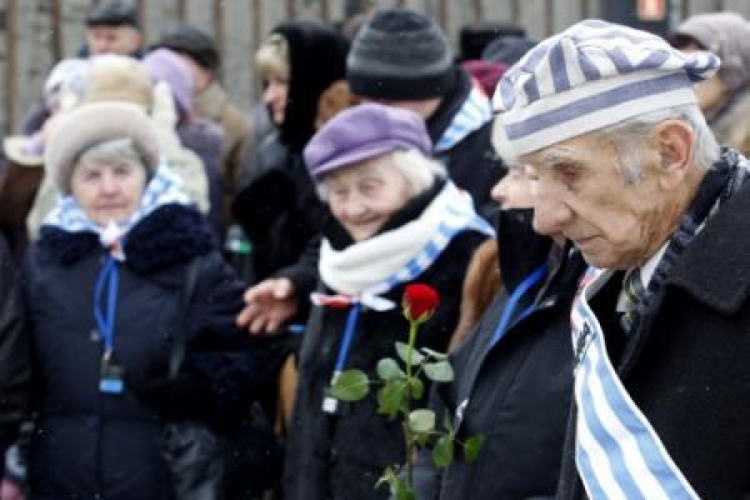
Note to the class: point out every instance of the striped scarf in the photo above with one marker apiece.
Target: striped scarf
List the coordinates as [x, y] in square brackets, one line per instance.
[474, 113]
[618, 453]
[367, 269]
[162, 189]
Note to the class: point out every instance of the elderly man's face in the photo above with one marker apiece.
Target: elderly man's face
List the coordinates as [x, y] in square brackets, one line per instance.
[121, 40]
[582, 191]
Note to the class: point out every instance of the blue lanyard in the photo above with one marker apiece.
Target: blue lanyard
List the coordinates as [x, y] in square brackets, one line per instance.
[346, 342]
[510, 306]
[105, 321]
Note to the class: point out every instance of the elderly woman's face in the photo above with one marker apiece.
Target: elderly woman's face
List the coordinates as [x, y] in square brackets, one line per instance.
[365, 195]
[582, 192]
[108, 192]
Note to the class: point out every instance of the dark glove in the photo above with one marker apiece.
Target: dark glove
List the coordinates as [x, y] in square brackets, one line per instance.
[184, 397]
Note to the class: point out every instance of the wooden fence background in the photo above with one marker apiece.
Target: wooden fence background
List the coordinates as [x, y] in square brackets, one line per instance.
[34, 34]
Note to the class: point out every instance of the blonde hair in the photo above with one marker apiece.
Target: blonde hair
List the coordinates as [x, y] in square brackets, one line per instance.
[273, 56]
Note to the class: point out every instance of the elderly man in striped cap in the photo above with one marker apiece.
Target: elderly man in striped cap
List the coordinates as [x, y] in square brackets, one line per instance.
[606, 121]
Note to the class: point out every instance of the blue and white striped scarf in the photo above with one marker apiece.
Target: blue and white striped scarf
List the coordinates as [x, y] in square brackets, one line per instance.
[474, 113]
[367, 269]
[163, 188]
[618, 453]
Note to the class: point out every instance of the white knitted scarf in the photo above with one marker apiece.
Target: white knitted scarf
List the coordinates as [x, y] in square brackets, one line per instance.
[374, 266]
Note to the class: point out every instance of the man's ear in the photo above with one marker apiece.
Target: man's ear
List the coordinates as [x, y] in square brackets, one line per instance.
[674, 141]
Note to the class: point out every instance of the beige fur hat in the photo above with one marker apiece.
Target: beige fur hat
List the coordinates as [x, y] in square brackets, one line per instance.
[92, 124]
[119, 78]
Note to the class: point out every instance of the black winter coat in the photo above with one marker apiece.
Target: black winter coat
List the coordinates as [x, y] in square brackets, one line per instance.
[342, 456]
[686, 365]
[278, 207]
[516, 392]
[91, 445]
[15, 364]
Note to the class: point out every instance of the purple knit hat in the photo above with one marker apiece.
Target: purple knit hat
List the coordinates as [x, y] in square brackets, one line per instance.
[364, 132]
[165, 65]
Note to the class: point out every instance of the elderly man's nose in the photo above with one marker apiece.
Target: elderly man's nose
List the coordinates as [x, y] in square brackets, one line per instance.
[550, 214]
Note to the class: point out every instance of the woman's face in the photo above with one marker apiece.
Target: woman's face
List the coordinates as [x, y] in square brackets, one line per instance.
[364, 195]
[514, 190]
[276, 95]
[108, 192]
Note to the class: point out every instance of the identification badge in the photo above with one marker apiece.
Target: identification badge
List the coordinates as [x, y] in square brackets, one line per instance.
[331, 405]
[110, 377]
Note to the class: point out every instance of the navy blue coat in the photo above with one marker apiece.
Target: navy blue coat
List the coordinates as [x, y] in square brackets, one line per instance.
[343, 456]
[516, 391]
[91, 445]
[15, 372]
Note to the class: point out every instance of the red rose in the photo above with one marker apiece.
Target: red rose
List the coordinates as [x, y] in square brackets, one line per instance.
[420, 302]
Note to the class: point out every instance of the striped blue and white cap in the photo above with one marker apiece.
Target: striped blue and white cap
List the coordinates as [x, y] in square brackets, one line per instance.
[592, 75]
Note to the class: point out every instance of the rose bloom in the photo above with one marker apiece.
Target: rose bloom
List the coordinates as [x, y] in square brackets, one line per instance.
[420, 301]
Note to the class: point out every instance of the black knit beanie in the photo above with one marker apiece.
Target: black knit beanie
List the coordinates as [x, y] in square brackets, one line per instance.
[400, 55]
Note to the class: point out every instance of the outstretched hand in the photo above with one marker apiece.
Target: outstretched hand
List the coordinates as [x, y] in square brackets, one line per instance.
[268, 305]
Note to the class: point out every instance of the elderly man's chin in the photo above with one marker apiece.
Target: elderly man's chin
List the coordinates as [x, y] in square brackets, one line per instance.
[598, 252]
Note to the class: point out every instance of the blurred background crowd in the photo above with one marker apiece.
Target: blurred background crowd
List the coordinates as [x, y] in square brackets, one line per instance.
[247, 116]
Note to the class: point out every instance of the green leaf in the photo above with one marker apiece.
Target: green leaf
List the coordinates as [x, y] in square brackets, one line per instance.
[440, 371]
[351, 385]
[388, 369]
[388, 477]
[442, 453]
[416, 388]
[448, 421]
[403, 491]
[473, 446]
[434, 354]
[421, 438]
[402, 349]
[422, 420]
[391, 397]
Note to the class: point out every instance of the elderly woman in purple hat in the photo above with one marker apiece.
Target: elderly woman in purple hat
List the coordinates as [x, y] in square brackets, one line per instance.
[396, 219]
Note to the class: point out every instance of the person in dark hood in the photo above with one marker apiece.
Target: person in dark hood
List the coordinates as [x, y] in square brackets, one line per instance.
[514, 372]
[278, 207]
[402, 58]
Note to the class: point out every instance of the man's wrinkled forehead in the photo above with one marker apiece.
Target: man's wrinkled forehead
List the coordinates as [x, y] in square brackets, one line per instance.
[570, 151]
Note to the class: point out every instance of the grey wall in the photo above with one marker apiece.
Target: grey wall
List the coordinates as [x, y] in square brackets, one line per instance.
[36, 33]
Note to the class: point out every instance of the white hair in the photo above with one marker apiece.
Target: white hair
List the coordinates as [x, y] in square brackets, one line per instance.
[419, 171]
[630, 136]
[111, 151]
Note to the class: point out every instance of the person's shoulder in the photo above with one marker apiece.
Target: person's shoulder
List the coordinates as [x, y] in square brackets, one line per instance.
[171, 235]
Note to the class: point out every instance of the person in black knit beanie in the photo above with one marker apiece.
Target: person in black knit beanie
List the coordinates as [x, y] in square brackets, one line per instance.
[403, 58]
